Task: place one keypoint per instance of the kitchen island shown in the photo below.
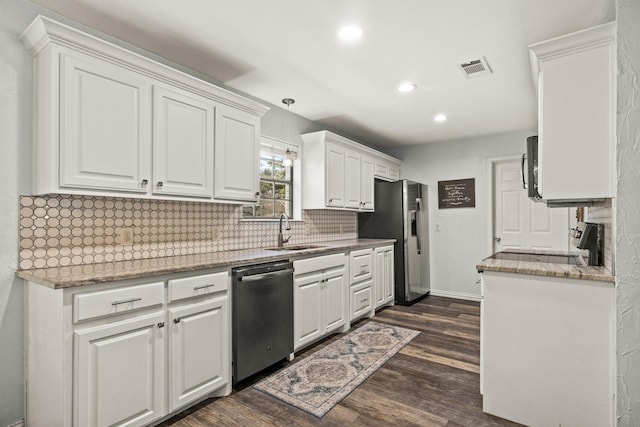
(547, 341)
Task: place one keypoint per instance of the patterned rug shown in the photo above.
(318, 382)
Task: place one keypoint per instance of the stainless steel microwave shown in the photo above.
(530, 169)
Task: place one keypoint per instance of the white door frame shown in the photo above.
(491, 166)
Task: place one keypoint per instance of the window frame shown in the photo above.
(277, 147)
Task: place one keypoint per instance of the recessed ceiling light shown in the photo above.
(350, 32)
(407, 87)
(440, 118)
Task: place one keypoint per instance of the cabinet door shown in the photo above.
(353, 180)
(389, 281)
(307, 323)
(366, 186)
(105, 126)
(237, 155)
(335, 306)
(198, 350)
(335, 182)
(380, 278)
(119, 373)
(182, 143)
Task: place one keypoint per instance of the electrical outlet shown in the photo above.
(215, 233)
(438, 227)
(125, 235)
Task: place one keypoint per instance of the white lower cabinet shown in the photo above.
(198, 358)
(320, 298)
(383, 275)
(120, 354)
(119, 372)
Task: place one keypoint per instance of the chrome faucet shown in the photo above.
(282, 240)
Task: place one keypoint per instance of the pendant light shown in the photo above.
(289, 155)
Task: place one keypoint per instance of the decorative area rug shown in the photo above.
(318, 382)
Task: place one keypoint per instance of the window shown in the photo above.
(276, 182)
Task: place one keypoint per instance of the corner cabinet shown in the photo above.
(338, 173)
(127, 353)
(576, 78)
(111, 122)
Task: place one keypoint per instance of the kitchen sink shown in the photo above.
(294, 248)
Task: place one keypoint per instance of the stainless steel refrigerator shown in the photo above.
(401, 213)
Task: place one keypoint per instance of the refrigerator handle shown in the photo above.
(417, 220)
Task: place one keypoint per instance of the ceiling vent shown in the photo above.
(475, 68)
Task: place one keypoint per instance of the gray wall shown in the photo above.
(627, 214)
(462, 241)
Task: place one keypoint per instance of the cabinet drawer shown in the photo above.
(88, 305)
(360, 299)
(360, 265)
(188, 287)
(318, 263)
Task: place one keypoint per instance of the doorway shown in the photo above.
(516, 222)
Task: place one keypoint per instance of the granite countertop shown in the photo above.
(90, 274)
(526, 266)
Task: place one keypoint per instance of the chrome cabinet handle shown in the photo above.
(253, 278)
(498, 239)
(330, 200)
(161, 325)
(177, 320)
(159, 184)
(203, 287)
(126, 301)
(145, 182)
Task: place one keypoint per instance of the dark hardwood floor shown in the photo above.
(433, 381)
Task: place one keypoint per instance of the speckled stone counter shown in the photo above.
(546, 268)
(90, 274)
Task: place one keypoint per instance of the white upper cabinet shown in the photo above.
(339, 173)
(334, 173)
(366, 187)
(105, 125)
(111, 122)
(576, 77)
(237, 155)
(182, 143)
(353, 180)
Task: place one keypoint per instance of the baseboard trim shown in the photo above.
(456, 295)
(18, 424)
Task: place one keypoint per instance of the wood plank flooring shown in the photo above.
(433, 381)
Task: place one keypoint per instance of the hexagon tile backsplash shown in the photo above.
(60, 230)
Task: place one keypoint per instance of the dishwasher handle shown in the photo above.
(254, 277)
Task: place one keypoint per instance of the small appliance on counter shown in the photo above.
(401, 213)
(589, 236)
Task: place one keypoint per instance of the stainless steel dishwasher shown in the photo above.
(262, 319)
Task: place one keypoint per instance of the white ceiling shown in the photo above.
(274, 49)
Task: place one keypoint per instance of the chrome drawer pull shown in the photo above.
(204, 286)
(126, 301)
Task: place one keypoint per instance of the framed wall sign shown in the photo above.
(458, 193)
